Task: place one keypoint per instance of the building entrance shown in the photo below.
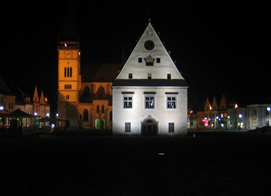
(149, 127)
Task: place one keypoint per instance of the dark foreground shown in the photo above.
(86, 164)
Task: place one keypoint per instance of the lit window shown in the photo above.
(171, 101)
(149, 101)
(127, 127)
(171, 127)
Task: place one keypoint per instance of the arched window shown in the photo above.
(85, 115)
(86, 92)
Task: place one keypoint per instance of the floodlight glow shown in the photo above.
(35, 113)
(229, 116)
(1, 107)
(268, 109)
(56, 114)
(47, 114)
(240, 115)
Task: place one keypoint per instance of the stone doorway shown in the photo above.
(149, 127)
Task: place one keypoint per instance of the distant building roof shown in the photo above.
(4, 89)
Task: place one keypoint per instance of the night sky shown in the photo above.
(219, 48)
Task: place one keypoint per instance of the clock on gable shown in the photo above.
(149, 45)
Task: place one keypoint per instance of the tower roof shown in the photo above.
(69, 29)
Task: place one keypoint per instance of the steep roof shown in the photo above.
(4, 89)
(149, 56)
(99, 72)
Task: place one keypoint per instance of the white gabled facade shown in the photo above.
(149, 94)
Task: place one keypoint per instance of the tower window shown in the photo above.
(149, 76)
(130, 76)
(68, 86)
(158, 60)
(168, 76)
(68, 72)
(139, 60)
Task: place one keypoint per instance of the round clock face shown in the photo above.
(149, 45)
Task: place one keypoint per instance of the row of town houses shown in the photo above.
(231, 113)
(12, 98)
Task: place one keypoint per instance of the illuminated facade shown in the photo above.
(149, 94)
(84, 90)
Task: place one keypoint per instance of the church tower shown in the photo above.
(69, 79)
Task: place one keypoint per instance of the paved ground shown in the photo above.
(217, 163)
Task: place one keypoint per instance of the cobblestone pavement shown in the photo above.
(85, 164)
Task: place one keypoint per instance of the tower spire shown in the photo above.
(69, 30)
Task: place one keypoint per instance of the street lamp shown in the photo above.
(240, 123)
(268, 109)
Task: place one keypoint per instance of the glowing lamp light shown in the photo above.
(47, 114)
(35, 113)
(229, 116)
(240, 115)
(268, 109)
(45, 99)
(236, 105)
(56, 114)
(1, 107)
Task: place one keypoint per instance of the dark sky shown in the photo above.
(219, 47)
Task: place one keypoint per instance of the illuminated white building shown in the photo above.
(149, 94)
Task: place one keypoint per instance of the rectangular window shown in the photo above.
(67, 97)
(149, 76)
(158, 60)
(68, 86)
(171, 101)
(168, 76)
(139, 60)
(149, 101)
(130, 76)
(171, 127)
(68, 72)
(127, 101)
(127, 127)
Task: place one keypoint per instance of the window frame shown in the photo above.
(127, 95)
(171, 95)
(149, 95)
(127, 128)
(171, 127)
